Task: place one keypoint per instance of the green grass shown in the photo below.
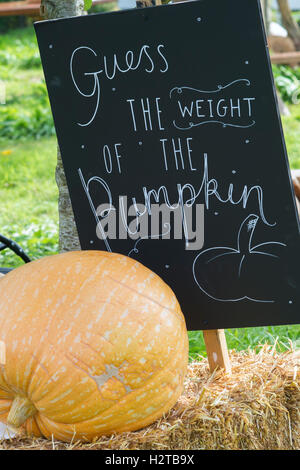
(28, 195)
(26, 112)
(240, 339)
(28, 192)
(28, 189)
(291, 128)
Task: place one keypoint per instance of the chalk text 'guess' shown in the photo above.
(145, 59)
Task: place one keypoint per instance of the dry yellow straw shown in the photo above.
(256, 407)
(2, 353)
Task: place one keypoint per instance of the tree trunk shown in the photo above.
(266, 14)
(147, 3)
(289, 23)
(68, 235)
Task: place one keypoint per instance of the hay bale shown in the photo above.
(256, 407)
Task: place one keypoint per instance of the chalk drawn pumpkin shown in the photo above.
(244, 272)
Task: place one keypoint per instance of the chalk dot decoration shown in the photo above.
(247, 62)
(199, 19)
(50, 46)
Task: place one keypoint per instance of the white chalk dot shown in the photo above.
(290, 301)
(199, 19)
(246, 62)
(140, 143)
(113, 89)
(247, 141)
(167, 266)
(82, 146)
(216, 213)
(91, 242)
(233, 172)
(50, 46)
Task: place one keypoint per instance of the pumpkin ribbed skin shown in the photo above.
(95, 342)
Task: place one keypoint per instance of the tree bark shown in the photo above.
(289, 23)
(51, 9)
(68, 235)
(147, 3)
(266, 14)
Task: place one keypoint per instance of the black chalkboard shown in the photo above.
(173, 109)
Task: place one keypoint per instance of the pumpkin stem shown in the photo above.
(246, 232)
(21, 409)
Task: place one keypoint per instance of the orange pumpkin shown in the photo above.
(95, 344)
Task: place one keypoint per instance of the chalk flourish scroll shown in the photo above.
(219, 88)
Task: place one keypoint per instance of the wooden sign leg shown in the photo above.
(2, 354)
(217, 352)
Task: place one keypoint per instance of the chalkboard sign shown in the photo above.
(173, 150)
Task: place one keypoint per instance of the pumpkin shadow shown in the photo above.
(245, 272)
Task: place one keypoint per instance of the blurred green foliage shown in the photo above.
(26, 112)
(287, 80)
